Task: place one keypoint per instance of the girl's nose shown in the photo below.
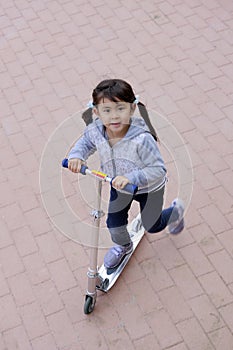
(114, 114)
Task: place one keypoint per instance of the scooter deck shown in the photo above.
(108, 277)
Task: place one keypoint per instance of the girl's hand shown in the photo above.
(75, 165)
(119, 182)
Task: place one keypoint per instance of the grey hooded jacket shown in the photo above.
(135, 156)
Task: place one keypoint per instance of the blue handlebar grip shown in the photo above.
(82, 170)
(131, 188)
(65, 163)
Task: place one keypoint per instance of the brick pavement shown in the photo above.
(177, 292)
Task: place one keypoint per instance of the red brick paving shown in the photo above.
(177, 292)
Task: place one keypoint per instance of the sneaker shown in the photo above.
(136, 224)
(178, 225)
(115, 255)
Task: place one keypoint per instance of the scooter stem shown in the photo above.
(93, 270)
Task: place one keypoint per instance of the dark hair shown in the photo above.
(115, 90)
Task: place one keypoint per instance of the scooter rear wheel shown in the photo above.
(89, 305)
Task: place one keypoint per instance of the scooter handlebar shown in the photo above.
(128, 188)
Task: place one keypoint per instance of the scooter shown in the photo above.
(102, 278)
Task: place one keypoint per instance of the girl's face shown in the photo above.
(115, 116)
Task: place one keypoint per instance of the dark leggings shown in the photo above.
(154, 218)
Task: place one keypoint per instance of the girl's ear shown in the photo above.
(133, 107)
(95, 110)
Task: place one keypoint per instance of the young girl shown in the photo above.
(128, 150)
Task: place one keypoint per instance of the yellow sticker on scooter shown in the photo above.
(99, 174)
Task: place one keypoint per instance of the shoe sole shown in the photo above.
(178, 228)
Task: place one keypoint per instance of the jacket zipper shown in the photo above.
(113, 162)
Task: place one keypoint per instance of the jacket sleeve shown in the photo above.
(153, 169)
(83, 148)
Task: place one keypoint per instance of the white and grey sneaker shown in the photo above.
(115, 255)
(177, 226)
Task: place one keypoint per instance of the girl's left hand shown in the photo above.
(119, 182)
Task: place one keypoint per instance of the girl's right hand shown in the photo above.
(75, 165)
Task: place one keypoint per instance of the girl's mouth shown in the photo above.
(115, 124)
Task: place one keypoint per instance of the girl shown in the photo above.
(127, 146)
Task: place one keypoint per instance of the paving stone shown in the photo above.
(37, 221)
(230, 218)
(196, 259)
(164, 329)
(196, 140)
(149, 342)
(121, 294)
(117, 336)
(24, 241)
(138, 326)
(49, 247)
(221, 338)
(186, 281)
(223, 264)
(193, 335)
(4, 289)
(226, 312)
(220, 98)
(15, 221)
(217, 291)
(48, 297)
(73, 299)
(223, 199)
(21, 289)
(44, 342)
(5, 238)
(219, 144)
(157, 274)
(34, 321)
(225, 239)
(26, 198)
(11, 263)
(175, 304)
(145, 296)
(145, 250)
(205, 238)
(224, 178)
(36, 268)
(129, 276)
(180, 346)
(61, 275)
(75, 254)
(206, 178)
(206, 313)
(215, 219)
(17, 339)
(10, 317)
(168, 253)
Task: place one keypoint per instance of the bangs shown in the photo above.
(107, 95)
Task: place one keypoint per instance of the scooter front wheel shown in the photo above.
(89, 304)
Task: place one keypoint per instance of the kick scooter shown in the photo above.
(102, 278)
